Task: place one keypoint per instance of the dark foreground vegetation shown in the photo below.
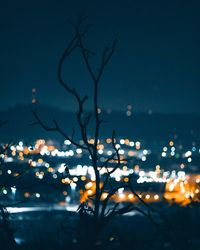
(179, 229)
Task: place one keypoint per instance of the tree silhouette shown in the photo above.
(93, 219)
(6, 232)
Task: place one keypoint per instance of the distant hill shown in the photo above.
(155, 127)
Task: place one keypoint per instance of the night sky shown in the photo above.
(155, 66)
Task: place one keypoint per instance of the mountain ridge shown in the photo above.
(154, 127)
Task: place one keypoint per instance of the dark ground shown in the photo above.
(57, 230)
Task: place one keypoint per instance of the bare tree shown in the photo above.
(96, 217)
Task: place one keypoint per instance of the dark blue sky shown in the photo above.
(156, 64)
